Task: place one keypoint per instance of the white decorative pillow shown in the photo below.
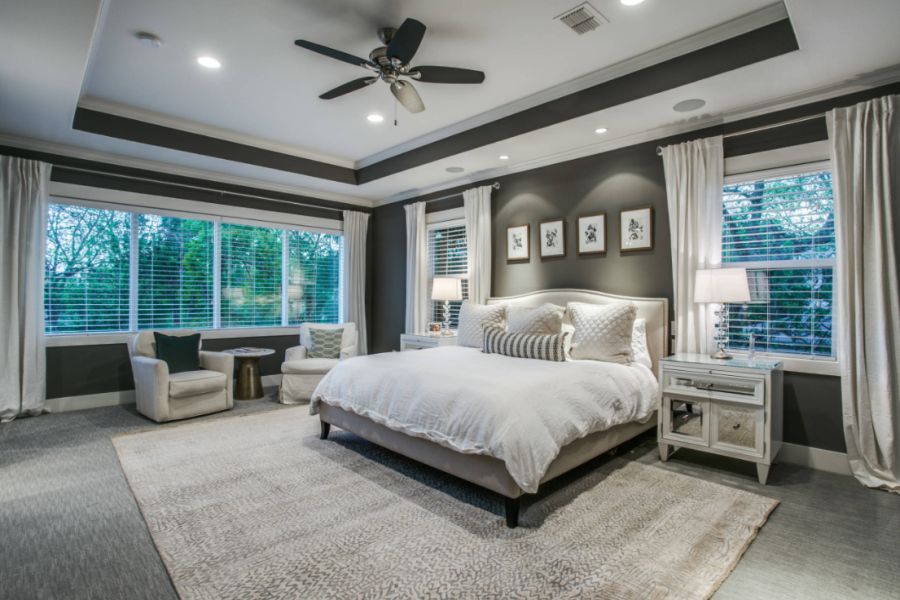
(543, 320)
(640, 352)
(602, 332)
(473, 318)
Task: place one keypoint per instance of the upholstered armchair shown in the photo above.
(300, 374)
(164, 396)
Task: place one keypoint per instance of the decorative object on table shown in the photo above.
(553, 238)
(249, 382)
(721, 286)
(731, 408)
(636, 229)
(434, 327)
(592, 234)
(446, 290)
(517, 243)
(325, 342)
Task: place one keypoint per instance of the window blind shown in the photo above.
(447, 256)
(86, 270)
(175, 272)
(782, 230)
(314, 271)
(251, 276)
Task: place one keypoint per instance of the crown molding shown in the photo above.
(714, 35)
(869, 81)
(148, 116)
(160, 167)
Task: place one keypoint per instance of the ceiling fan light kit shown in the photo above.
(391, 64)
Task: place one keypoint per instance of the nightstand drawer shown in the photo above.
(685, 420)
(737, 428)
(714, 385)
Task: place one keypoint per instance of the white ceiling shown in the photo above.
(266, 92)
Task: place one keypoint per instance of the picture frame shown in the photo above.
(592, 234)
(552, 236)
(636, 229)
(518, 243)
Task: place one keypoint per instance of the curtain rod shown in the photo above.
(762, 128)
(495, 185)
(206, 189)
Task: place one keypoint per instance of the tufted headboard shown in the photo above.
(654, 310)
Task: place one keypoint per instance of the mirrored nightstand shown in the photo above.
(421, 341)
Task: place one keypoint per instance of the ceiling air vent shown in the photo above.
(583, 18)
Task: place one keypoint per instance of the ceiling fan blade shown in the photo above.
(350, 86)
(336, 54)
(446, 75)
(406, 41)
(408, 96)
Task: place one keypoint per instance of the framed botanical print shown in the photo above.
(553, 238)
(517, 243)
(636, 229)
(592, 234)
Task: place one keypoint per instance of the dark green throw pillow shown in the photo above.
(181, 353)
(325, 343)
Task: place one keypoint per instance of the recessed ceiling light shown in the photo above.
(504, 157)
(375, 118)
(209, 62)
(600, 130)
(454, 169)
(631, 2)
(689, 105)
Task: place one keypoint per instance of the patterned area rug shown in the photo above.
(259, 507)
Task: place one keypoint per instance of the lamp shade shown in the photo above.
(446, 288)
(721, 286)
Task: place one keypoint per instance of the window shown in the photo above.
(116, 271)
(781, 229)
(447, 256)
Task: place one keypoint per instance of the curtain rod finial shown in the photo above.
(496, 185)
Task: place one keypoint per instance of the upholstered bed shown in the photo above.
(506, 424)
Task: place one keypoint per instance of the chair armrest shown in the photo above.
(351, 349)
(295, 353)
(151, 387)
(221, 362)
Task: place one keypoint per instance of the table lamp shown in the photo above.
(721, 286)
(446, 289)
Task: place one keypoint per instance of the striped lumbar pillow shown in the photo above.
(542, 347)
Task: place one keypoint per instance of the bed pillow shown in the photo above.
(602, 332)
(473, 318)
(640, 351)
(541, 347)
(542, 320)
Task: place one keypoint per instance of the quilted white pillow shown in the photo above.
(472, 320)
(602, 332)
(640, 352)
(543, 320)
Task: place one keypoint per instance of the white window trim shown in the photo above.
(790, 363)
(443, 217)
(136, 203)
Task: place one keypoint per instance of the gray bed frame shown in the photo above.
(490, 472)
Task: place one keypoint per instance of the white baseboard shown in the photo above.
(70, 403)
(814, 458)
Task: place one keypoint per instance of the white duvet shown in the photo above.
(521, 411)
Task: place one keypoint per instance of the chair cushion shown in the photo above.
(325, 343)
(309, 366)
(181, 352)
(195, 383)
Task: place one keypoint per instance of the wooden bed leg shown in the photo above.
(512, 512)
(326, 429)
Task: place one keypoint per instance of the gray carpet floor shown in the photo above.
(70, 528)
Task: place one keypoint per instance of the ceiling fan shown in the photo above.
(390, 63)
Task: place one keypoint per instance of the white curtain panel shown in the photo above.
(356, 226)
(23, 225)
(694, 178)
(477, 207)
(416, 268)
(865, 149)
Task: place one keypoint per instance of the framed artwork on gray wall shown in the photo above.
(553, 238)
(636, 229)
(517, 243)
(592, 234)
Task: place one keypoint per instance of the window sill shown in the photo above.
(792, 364)
(125, 337)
